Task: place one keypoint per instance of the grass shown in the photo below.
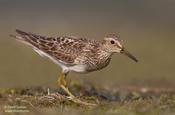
(123, 101)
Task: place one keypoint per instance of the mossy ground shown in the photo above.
(128, 100)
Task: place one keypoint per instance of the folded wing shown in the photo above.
(63, 49)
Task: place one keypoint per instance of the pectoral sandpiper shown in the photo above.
(74, 54)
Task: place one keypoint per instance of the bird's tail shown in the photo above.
(21, 37)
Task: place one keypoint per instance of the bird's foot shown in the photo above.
(78, 101)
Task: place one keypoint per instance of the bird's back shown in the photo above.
(63, 49)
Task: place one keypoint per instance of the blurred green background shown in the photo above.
(147, 28)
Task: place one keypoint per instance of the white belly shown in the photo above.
(78, 68)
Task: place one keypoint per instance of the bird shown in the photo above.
(74, 54)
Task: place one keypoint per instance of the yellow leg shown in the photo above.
(62, 83)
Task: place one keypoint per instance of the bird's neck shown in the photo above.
(105, 55)
(103, 59)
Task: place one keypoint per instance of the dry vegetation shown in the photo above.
(128, 100)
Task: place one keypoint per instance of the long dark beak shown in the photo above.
(125, 52)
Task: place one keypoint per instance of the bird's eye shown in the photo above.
(112, 42)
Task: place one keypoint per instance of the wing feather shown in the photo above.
(65, 49)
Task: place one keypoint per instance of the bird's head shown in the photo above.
(112, 44)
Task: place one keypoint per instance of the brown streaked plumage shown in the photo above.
(74, 54)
